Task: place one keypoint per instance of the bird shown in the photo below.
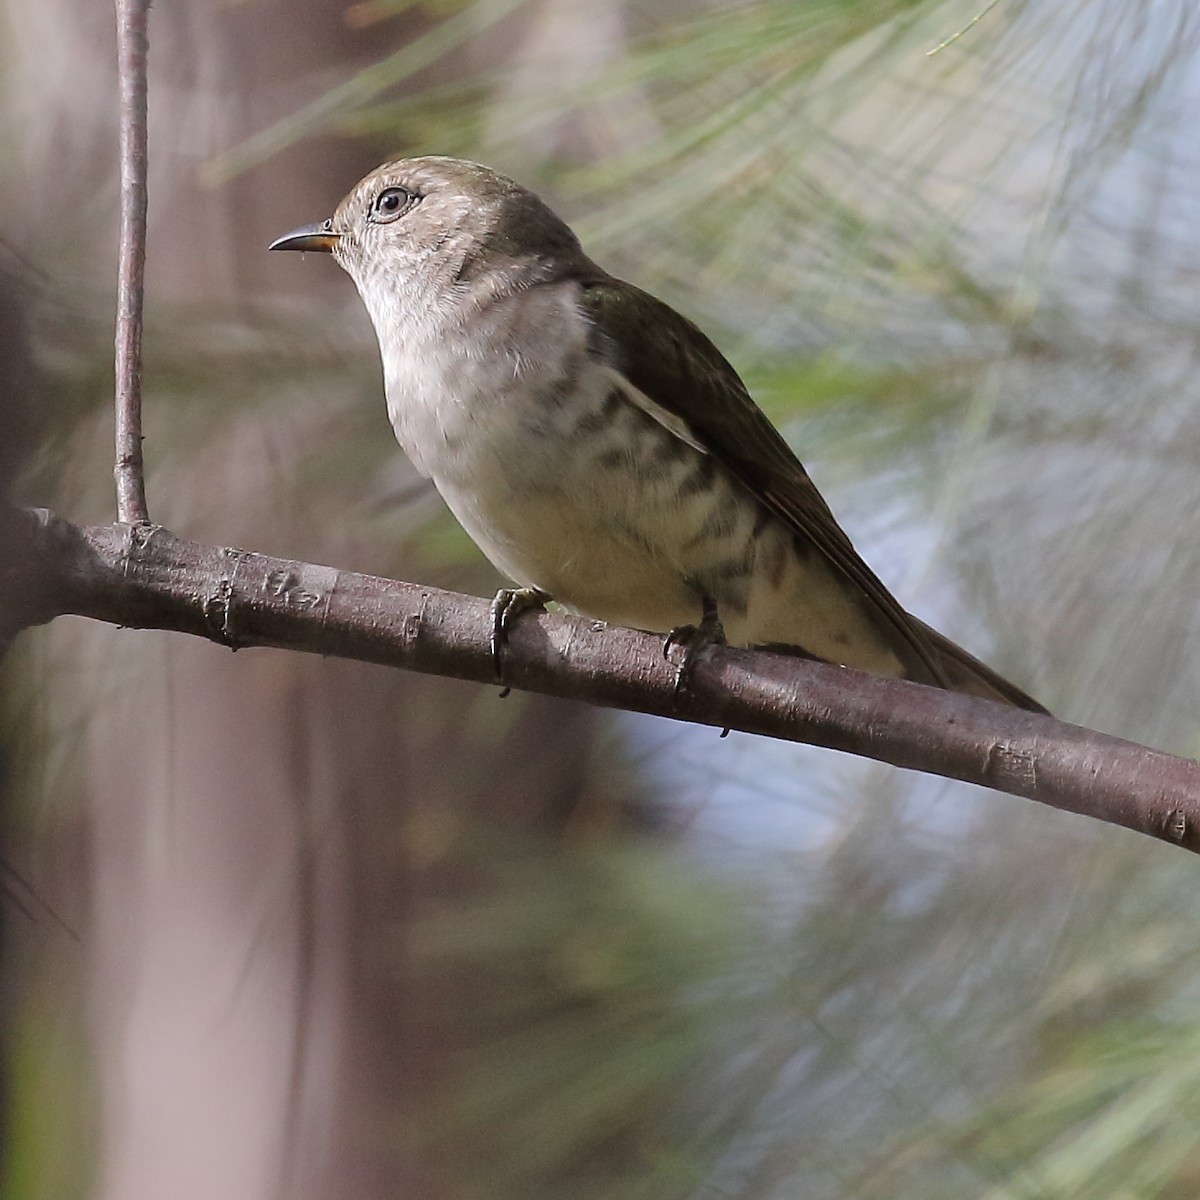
(596, 445)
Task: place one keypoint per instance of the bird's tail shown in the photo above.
(965, 673)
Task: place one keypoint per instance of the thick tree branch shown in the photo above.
(144, 576)
(131, 59)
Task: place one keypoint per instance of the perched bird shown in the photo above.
(595, 444)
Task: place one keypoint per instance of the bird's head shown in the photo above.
(422, 234)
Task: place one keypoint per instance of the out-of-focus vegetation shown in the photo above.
(332, 930)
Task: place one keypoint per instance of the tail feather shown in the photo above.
(965, 673)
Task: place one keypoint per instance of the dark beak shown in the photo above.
(307, 237)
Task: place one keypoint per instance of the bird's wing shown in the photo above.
(677, 368)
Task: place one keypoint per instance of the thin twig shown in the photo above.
(983, 12)
(129, 472)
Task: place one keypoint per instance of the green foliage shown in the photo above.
(964, 287)
(602, 996)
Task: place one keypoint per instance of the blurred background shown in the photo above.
(285, 927)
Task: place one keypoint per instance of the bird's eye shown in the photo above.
(391, 203)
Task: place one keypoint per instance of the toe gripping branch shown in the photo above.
(693, 639)
(507, 606)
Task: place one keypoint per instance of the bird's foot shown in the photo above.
(508, 605)
(692, 639)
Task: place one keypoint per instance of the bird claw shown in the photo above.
(507, 606)
(693, 639)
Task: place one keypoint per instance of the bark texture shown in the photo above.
(146, 577)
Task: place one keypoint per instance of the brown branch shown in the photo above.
(144, 576)
(131, 60)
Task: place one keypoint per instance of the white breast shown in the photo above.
(457, 396)
(591, 502)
